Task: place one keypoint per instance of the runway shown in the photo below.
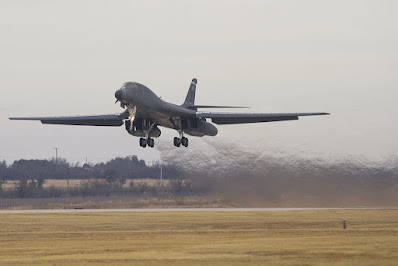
(193, 210)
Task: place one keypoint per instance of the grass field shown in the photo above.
(274, 237)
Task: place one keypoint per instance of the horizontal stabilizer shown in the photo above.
(194, 107)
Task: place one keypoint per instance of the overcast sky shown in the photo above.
(69, 57)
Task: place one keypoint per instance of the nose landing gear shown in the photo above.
(149, 141)
(143, 142)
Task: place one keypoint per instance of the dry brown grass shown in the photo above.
(63, 183)
(277, 237)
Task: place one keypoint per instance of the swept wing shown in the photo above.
(243, 118)
(111, 120)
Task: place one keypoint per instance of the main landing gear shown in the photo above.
(148, 141)
(181, 141)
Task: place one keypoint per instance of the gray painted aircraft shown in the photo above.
(145, 112)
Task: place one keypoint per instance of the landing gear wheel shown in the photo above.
(177, 142)
(143, 142)
(184, 142)
(151, 142)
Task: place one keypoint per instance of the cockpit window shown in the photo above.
(128, 84)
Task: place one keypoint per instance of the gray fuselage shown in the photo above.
(150, 107)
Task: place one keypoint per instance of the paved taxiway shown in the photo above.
(192, 210)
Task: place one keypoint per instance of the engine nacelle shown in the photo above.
(198, 127)
(138, 127)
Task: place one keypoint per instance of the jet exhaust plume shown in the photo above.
(255, 178)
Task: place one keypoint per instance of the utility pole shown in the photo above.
(56, 154)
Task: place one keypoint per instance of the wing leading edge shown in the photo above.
(244, 118)
(93, 120)
(115, 120)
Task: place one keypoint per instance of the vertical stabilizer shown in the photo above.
(190, 99)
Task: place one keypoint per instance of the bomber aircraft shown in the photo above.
(145, 112)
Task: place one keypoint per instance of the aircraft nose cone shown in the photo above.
(119, 94)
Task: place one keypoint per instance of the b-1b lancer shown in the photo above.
(145, 112)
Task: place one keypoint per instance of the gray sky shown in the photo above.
(69, 57)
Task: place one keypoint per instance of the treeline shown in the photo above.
(25, 188)
(119, 168)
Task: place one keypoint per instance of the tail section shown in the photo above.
(189, 102)
(190, 99)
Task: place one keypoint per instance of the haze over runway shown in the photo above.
(69, 57)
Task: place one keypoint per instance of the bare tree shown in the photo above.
(3, 173)
(22, 188)
(112, 178)
(176, 185)
(40, 182)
